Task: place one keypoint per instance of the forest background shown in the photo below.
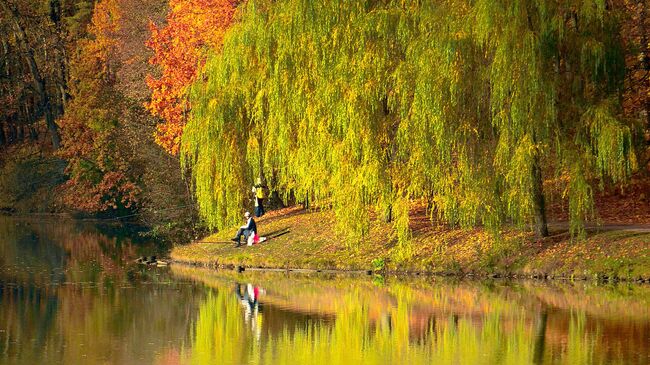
(96, 97)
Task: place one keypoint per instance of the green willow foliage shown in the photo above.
(372, 104)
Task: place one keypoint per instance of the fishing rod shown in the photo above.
(274, 234)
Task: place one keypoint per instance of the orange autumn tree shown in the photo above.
(101, 176)
(179, 50)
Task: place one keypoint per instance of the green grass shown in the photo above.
(617, 254)
(312, 242)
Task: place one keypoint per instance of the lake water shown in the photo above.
(71, 294)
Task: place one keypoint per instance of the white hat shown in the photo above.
(247, 214)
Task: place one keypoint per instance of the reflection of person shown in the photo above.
(249, 297)
(250, 301)
(259, 195)
(246, 230)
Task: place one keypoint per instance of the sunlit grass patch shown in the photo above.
(312, 242)
(613, 254)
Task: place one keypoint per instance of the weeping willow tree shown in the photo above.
(370, 105)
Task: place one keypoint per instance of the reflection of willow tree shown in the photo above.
(221, 337)
(628, 302)
(580, 346)
(220, 333)
(540, 337)
(419, 322)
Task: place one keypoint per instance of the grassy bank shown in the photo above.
(312, 242)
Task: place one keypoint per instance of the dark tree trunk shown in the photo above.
(20, 135)
(63, 98)
(29, 117)
(645, 58)
(39, 81)
(55, 11)
(388, 214)
(541, 226)
(5, 66)
(5, 72)
(3, 139)
(33, 133)
(274, 199)
(62, 82)
(11, 136)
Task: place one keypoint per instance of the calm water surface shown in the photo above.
(70, 294)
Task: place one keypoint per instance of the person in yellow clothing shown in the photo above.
(259, 192)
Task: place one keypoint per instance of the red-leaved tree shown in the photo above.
(193, 26)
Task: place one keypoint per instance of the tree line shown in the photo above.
(91, 59)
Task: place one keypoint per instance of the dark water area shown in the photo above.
(71, 293)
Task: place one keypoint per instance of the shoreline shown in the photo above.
(407, 274)
(610, 253)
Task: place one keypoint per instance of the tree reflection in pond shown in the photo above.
(69, 296)
(350, 321)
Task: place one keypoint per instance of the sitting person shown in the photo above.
(247, 229)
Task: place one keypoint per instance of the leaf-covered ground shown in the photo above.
(313, 242)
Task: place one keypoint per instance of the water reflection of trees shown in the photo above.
(86, 325)
(348, 320)
(27, 314)
(65, 298)
(39, 251)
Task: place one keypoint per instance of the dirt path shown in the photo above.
(644, 228)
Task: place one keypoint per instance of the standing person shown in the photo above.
(259, 195)
(246, 230)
